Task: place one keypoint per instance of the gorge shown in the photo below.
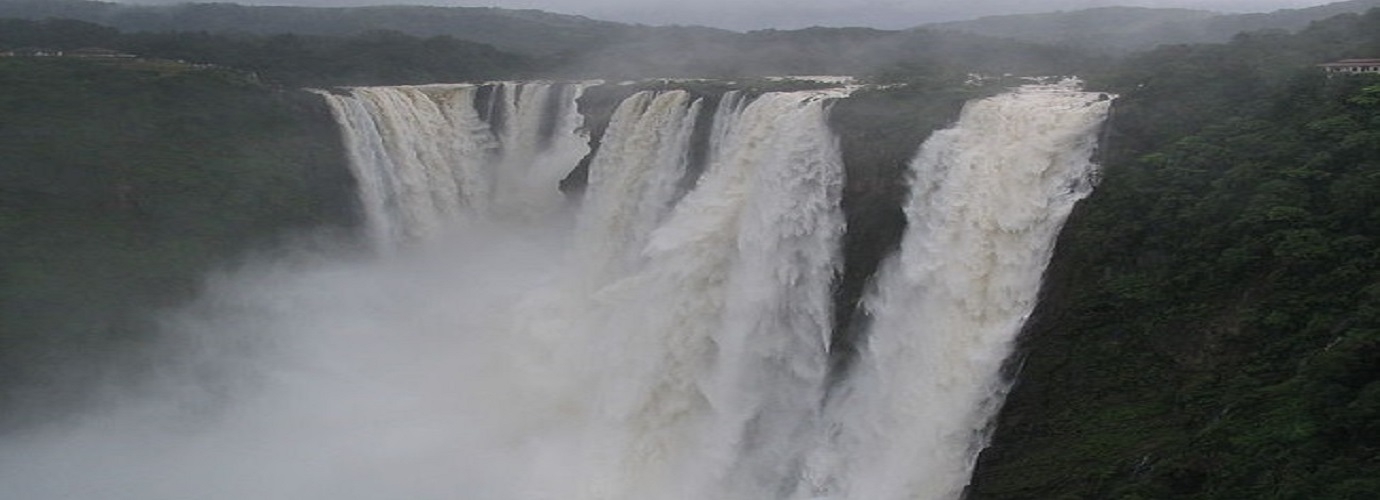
(662, 331)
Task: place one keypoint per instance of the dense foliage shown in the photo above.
(121, 185)
(1212, 321)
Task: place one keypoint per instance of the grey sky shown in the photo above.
(756, 14)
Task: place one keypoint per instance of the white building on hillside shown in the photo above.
(1352, 66)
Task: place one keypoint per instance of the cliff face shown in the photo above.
(879, 133)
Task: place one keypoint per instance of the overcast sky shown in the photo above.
(757, 14)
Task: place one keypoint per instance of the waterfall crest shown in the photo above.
(428, 158)
(633, 179)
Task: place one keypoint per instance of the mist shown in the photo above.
(325, 376)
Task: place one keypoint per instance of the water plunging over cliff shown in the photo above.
(664, 335)
(718, 302)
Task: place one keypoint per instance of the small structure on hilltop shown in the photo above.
(99, 53)
(35, 52)
(1352, 66)
(83, 53)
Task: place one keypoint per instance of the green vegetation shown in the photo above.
(122, 185)
(1211, 327)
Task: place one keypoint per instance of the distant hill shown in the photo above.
(1287, 19)
(1124, 29)
(526, 31)
(842, 51)
(565, 46)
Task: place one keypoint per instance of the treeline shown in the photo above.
(1211, 327)
(371, 58)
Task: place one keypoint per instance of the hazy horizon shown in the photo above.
(790, 14)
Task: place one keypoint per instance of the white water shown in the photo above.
(426, 162)
(633, 179)
(732, 298)
(988, 198)
(659, 344)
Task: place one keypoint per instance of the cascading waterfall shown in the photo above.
(715, 310)
(665, 337)
(731, 304)
(988, 198)
(539, 141)
(426, 159)
(633, 178)
(685, 304)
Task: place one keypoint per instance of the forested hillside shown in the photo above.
(1211, 327)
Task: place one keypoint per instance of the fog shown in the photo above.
(322, 376)
(786, 14)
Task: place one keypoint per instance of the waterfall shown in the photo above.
(988, 198)
(664, 336)
(428, 158)
(633, 179)
(718, 338)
